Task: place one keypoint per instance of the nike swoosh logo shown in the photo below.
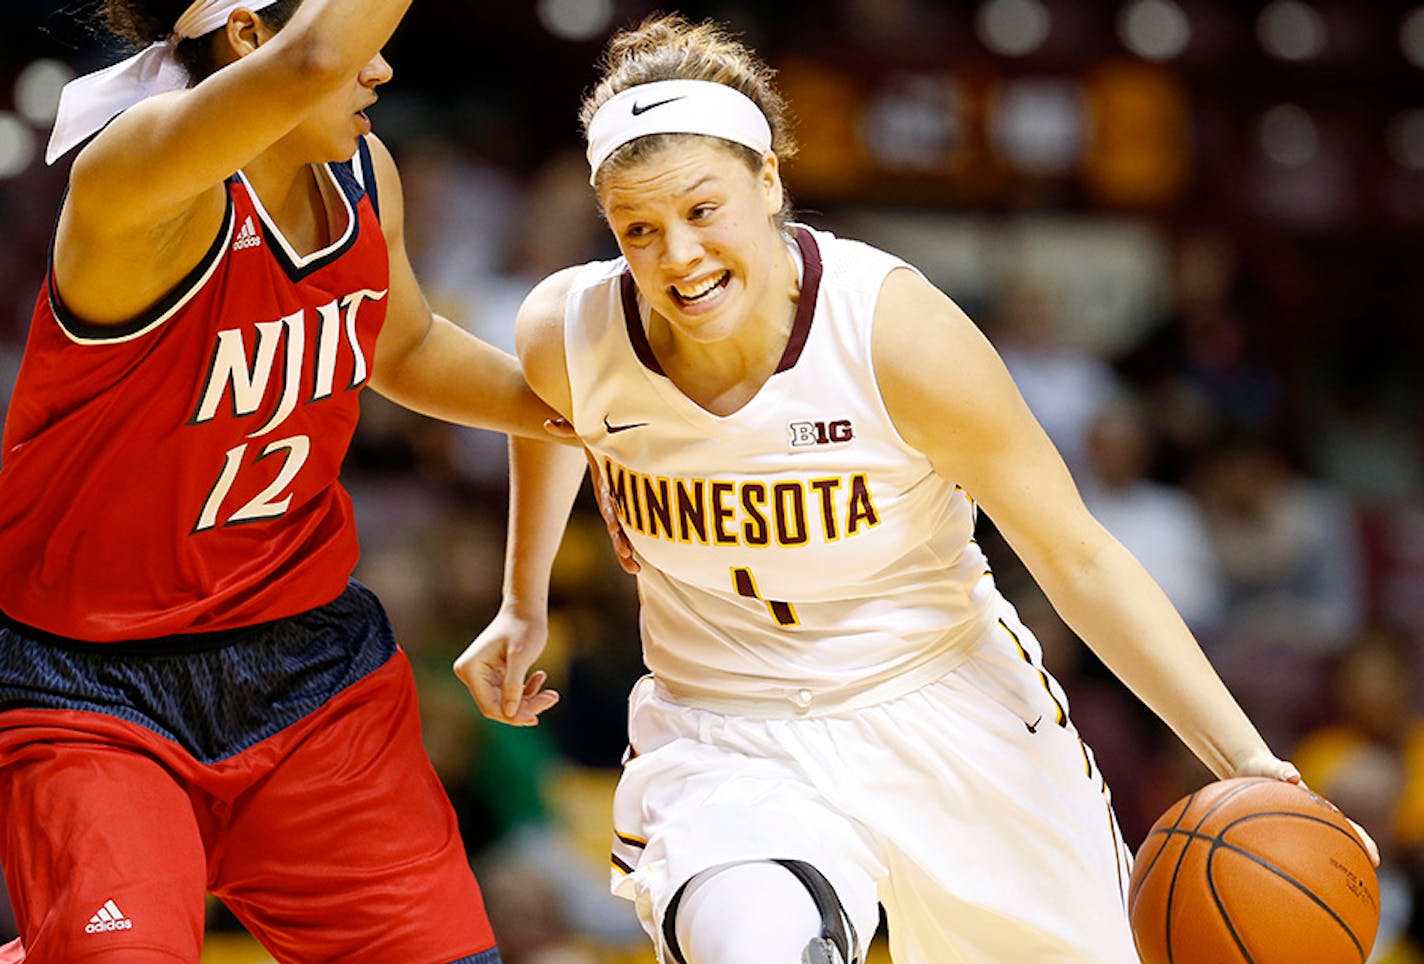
(1034, 727)
(615, 429)
(639, 109)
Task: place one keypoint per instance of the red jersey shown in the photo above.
(179, 473)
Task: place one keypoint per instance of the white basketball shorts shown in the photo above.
(969, 808)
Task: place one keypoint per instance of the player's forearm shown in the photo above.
(1134, 629)
(339, 37)
(452, 375)
(544, 478)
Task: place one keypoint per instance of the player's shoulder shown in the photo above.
(541, 315)
(550, 296)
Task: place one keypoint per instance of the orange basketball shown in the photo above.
(1253, 871)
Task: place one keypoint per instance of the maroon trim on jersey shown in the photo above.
(806, 310)
(634, 320)
(800, 327)
(190, 283)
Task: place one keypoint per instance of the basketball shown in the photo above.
(1253, 871)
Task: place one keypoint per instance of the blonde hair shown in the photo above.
(669, 47)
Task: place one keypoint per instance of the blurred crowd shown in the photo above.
(1246, 419)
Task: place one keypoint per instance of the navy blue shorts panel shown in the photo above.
(490, 956)
(213, 694)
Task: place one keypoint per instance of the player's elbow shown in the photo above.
(317, 63)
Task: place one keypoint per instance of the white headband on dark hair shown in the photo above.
(91, 101)
(675, 107)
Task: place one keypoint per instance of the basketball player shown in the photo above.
(193, 694)
(798, 431)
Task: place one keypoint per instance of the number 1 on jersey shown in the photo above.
(784, 613)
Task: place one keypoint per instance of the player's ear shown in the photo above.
(769, 179)
(245, 32)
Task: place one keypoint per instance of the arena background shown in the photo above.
(1194, 230)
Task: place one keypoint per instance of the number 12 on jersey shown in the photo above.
(265, 505)
(745, 585)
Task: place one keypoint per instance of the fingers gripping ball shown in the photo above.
(1253, 871)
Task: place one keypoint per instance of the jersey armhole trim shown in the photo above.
(82, 333)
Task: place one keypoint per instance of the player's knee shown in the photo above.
(822, 951)
(778, 912)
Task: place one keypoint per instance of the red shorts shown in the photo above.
(331, 840)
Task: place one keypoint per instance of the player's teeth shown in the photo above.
(700, 290)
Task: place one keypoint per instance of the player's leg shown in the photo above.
(348, 850)
(706, 791)
(100, 846)
(772, 911)
(993, 820)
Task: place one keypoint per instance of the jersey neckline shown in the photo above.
(800, 326)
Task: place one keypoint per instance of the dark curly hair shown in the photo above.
(143, 22)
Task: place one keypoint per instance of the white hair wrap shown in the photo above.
(91, 101)
(675, 107)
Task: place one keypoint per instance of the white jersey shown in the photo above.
(798, 556)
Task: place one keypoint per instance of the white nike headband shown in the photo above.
(675, 107)
(91, 101)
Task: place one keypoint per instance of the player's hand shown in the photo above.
(622, 548)
(558, 429)
(494, 667)
(1267, 765)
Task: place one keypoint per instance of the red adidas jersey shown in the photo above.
(180, 473)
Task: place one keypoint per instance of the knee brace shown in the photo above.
(838, 943)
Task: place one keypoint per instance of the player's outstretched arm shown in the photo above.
(428, 363)
(544, 478)
(147, 194)
(155, 158)
(976, 429)
(496, 668)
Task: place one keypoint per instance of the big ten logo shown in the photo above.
(820, 433)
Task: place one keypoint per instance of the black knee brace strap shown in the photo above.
(836, 925)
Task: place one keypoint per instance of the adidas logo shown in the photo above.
(247, 236)
(109, 918)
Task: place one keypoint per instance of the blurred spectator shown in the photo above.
(1158, 524)
(1288, 546)
(499, 777)
(1063, 385)
(480, 241)
(1202, 369)
(1367, 784)
(1365, 436)
(595, 625)
(533, 926)
(1368, 758)
(1373, 702)
(1393, 539)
